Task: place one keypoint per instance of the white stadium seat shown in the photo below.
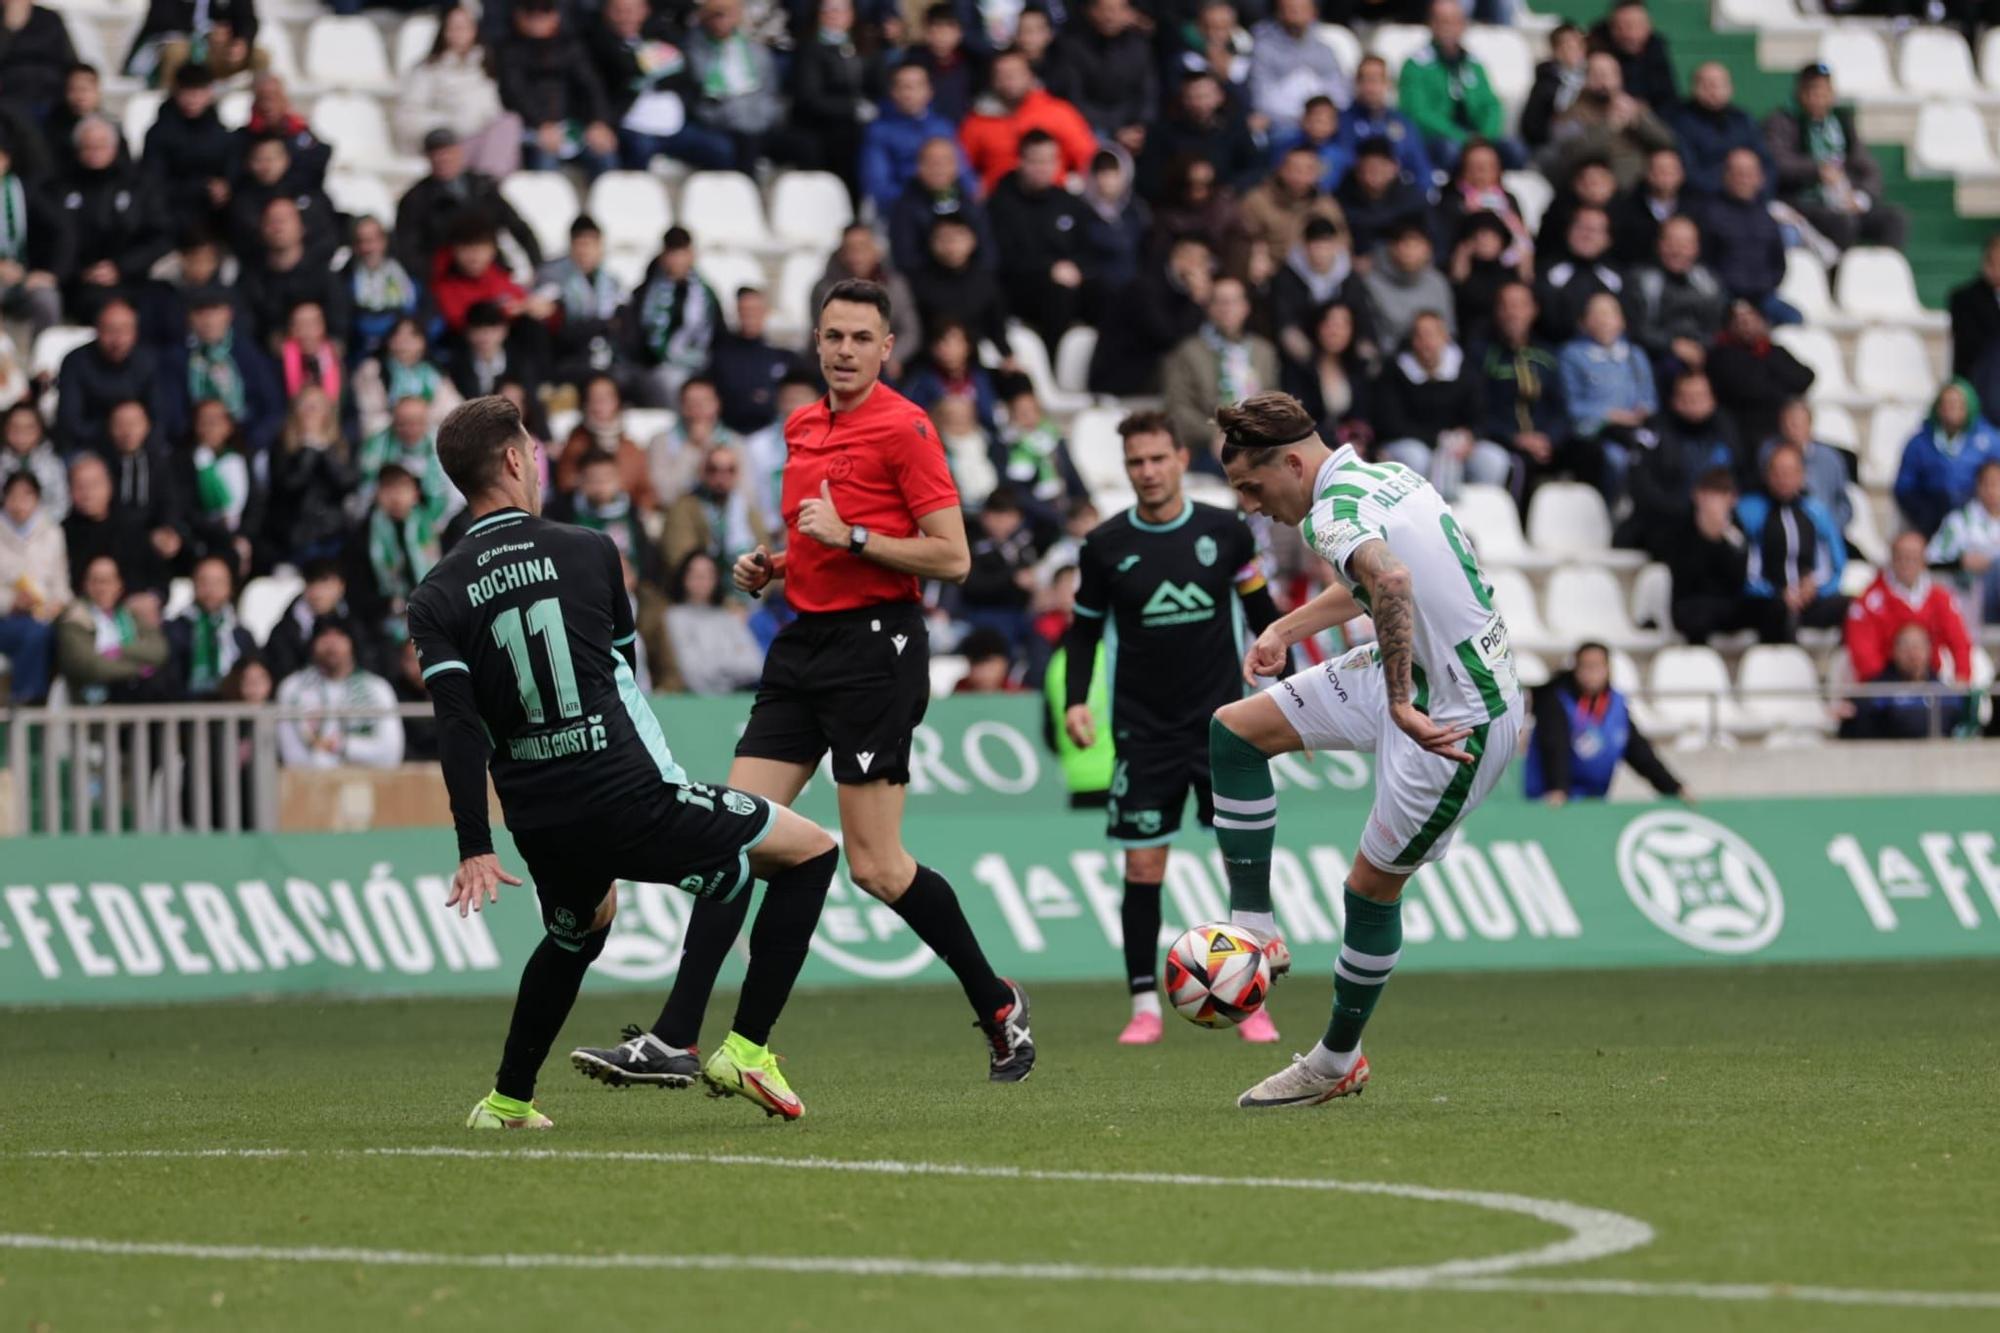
(1888, 432)
(1989, 58)
(54, 343)
(947, 669)
(1096, 449)
(1806, 289)
(1653, 597)
(1627, 680)
(359, 195)
(1031, 354)
(630, 267)
(1860, 63)
(1507, 57)
(1864, 534)
(1514, 598)
(1951, 140)
(633, 209)
(1856, 577)
(1757, 15)
(1690, 694)
(1834, 425)
(1892, 364)
(1585, 602)
(546, 201)
(347, 53)
(264, 600)
(1780, 686)
(791, 306)
(276, 44)
(233, 108)
(726, 272)
(1532, 191)
(1493, 521)
(722, 208)
(1817, 349)
(1073, 355)
(141, 110)
(1397, 42)
(354, 125)
(180, 596)
(809, 209)
(643, 425)
(1567, 518)
(1939, 61)
(1342, 41)
(1875, 285)
(415, 37)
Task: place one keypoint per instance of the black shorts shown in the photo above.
(1149, 789)
(853, 682)
(693, 836)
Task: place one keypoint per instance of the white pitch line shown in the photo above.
(1594, 1233)
(951, 1269)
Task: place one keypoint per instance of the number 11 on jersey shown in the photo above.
(543, 618)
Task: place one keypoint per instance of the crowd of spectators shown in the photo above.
(1204, 185)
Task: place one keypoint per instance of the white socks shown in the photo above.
(1264, 923)
(1327, 1064)
(1146, 1002)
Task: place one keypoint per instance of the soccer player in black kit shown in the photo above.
(526, 637)
(1165, 576)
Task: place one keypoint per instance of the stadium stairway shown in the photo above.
(1943, 247)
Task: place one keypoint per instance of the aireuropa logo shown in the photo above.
(1700, 882)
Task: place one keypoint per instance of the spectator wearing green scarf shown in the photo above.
(391, 552)
(207, 640)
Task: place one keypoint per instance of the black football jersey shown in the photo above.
(1167, 592)
(536, 613)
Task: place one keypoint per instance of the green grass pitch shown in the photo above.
(1803, 1126)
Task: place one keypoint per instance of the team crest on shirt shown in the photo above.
(1204, 550)
(840, 468)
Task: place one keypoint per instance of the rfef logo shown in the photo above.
(1700, 882)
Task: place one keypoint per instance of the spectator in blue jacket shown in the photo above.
(1942, 460)
(1742, 240)
(1796, 551)
(1710, 126)
(1607, 382)
(1373, 115)
(892, 142)
(1583, 731)
(1319, 130)
(1289, 64)
(1906, 717)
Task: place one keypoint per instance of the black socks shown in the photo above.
(1139, 918)
(931, 910)
(548, 991)
(779, 942)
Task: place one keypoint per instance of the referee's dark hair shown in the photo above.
(474, 438)
(1262, 424)
(1150, 423)
(859, 291)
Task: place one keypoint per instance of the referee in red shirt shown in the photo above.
(870, 511)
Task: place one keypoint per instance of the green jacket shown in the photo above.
(1085, 772)
(1428, 98)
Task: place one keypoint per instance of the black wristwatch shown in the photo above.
(857, 539)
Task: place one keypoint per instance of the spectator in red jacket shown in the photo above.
(1012, 106)
(467, 270)
(1905, 594)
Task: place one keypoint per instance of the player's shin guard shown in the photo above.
(712, 927)
(548, 990)
(779, 941)
(1369, 948)
(1139, 919)
(930, 909)
(1246, 817)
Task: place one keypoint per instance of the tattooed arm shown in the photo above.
(1393, 603)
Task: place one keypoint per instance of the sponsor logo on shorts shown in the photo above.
(737, 803)
(1146, 822)
(1298, 700)
(1700, 882)
(900, 640)
(1333, 682)
(864, 758)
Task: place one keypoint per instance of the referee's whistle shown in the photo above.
(763, 563)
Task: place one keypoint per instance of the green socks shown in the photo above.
(1369, 948)
(1246, 816)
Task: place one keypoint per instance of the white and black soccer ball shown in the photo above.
(1217, 975)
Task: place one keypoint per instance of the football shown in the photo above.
(1217, 976)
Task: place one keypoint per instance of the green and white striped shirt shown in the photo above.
(1970, 528)
(1462, 667)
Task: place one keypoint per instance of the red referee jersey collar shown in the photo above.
(878, 396)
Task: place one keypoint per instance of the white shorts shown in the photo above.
(1420, 798)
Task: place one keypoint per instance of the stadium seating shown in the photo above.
(1689, 691)
(1653, 597)
(1875, 285)
(791, 305)
(1493, 521)
(1952, 140)
(1891, 364)
(1073, 356)
(546, 201)
(1888, 431)
(348, 54)
(1780, 687)
(415, 36)
(359, 195)
(1514, 598)
(1568, 519)
(1805, 287)
(1938, 61)
(1585, 602)
(809, 210)
(633, 210)
(722, 209)
(264, 601)
(1816, 349)
(726, 273)
(353, 123)
(1096, 449)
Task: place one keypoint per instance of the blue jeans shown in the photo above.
(27, 642)
(1778, 312)
(696, 145)
(534, 157)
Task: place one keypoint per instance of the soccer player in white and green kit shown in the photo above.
(1435, 698)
